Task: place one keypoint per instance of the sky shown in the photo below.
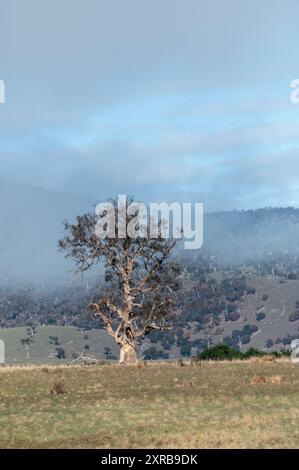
(162, 99)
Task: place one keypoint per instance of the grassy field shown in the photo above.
(215, 405)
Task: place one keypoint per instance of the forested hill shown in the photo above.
(241, 288)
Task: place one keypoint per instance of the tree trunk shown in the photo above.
(128, 354)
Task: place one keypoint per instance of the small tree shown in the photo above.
(60, 353)
(107, 352)
(141, 277)
(26, 342)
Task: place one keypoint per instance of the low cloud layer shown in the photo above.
(163, 100)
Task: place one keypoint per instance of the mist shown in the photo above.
(33, 223)
(166, 102)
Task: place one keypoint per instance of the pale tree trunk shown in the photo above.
(128, 353)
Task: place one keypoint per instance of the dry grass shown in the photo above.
(258, 379)
(57, 388)
(216, 405)
(268, 358)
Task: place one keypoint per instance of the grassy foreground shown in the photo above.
(215, 405)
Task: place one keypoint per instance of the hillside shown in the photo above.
(47, 341)
(262, 321)
(270, 307)
(241, 288)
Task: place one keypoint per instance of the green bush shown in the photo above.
(223, 352)
(220, 351)
(252, 352)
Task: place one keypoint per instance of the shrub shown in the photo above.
(249, 330)
(294, 316)
(233, 316)
(107, 351)
(260, 316)
(219, 351)
(245, 339)
(292, 276)
(57, 388)
(286, 341)
(252, 352)
(60, 353)
(236, 334)
(224, 352)
(251, 291)
(269, 343)
(265, 297)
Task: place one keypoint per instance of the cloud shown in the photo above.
(158, 99)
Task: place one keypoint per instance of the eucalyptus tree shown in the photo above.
(142, 278)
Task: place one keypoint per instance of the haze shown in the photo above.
(164, 100)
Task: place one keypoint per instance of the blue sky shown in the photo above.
(173, 100)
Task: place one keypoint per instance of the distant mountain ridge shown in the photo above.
(32, 222)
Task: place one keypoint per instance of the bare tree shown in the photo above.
(142, 280)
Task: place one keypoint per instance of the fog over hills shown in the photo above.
(245, 284)
(32, 222)
(238, 236)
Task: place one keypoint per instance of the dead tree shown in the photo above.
(142, 280)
